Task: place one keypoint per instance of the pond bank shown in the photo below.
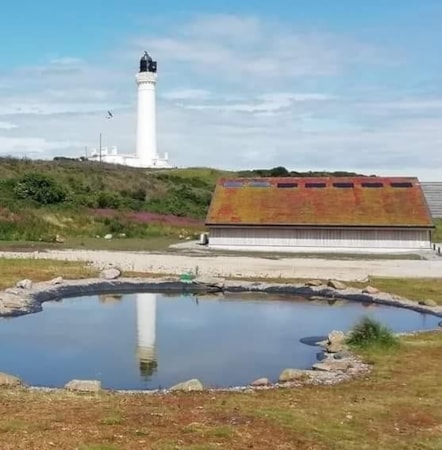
(27, 297)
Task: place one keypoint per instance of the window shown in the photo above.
(233, 184)
(343, 185)
(259, 184)
(372, 184)
(287, 185)
(315, 185)
(401, 184)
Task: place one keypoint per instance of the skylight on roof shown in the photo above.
(259, 184)
(315, 185)
(372, 184)
(287, 185)
(401, 184)
(343, 185)
(233, 184)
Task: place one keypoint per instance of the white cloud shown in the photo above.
(7, 126)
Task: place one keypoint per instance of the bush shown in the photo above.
(39, 188)
(369, 332)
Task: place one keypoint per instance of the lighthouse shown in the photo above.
(146, 154)
(146, 111)
(146, 333)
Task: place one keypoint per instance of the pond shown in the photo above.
(147, 341)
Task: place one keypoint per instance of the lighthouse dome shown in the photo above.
(147, 64)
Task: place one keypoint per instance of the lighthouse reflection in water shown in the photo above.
(146, 329)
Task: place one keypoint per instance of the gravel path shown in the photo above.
(243, 266)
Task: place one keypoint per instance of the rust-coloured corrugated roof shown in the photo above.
(328, 201)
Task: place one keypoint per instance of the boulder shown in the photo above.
(314, 283)
(57, 280)
(370, 290)
(9, 380)
(83, 385)
(108, 237)
(331, 365)
(59, 239)
(110, 274)
(336, 337)
(428, 302)
(335, 284)
(260, 382)
(187, 386)
(292, 374)
(24, 284)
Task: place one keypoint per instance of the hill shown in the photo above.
(53, 200)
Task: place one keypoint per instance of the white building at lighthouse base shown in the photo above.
(111, 156)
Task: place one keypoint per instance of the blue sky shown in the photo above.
(305, 84)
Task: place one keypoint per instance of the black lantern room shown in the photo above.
(147, 64)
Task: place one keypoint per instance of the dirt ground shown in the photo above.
(243, 266)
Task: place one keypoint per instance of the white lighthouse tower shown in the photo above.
(146, 155)
(146, 332)
(146, 115)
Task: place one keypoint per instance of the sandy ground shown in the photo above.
(243, 266)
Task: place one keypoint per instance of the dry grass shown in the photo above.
(396, 407)
(412, 288)
(13, 270)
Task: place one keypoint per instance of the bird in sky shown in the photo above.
(109, 115)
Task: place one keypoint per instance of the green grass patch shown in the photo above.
(371, 333)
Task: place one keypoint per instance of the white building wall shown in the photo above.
(313, 239)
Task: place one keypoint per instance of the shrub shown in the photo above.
(369, 332)
(39, 188)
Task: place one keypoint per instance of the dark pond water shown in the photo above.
(141, 341)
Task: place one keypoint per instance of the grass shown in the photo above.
(13, 270)
(412, 288)
(160, 243)
(396, 407)
(369, 333)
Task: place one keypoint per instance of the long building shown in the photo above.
(367, 214)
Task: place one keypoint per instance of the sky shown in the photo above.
(305, 84)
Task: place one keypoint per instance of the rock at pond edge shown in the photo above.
(24, 284)
(9, 380)
(110, 274)
(260, 382)
(335, 284)
(83, 385)
(187, 386)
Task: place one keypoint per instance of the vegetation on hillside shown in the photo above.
(42, 199)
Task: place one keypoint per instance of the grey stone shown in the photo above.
(292, 374)
(342, 355)
(370, 290)
(331, 365)
(335, 284)
(24, 284)
(13, 291)
(108, 237)
(314, 283)
(9, 380)
(110, 274)
(336, 337)
(12, 301)
(187, 386)
(83, 385)
(57, 280)
(428, 302)
(260, 382)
